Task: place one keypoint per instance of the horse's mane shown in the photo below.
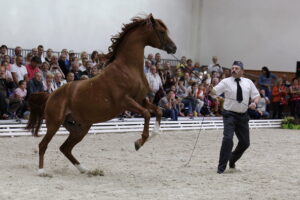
(117, 39)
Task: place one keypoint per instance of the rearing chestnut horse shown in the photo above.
(121, 86)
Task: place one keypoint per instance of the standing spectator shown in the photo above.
(262, 105)
(19, 71)
(265, 81)
(295, 98)
(169, 106)
(3, 52)
(182, 64)
(154, 81)
(8, 74)
(33, 67)
(215, 66)
(83, 56)
(40, 49)
(64, 63)
(35, 84)
(49, 55)
(278, 98)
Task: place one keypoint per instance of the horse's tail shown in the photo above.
(37, 102)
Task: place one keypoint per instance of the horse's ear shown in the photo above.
(151, 20)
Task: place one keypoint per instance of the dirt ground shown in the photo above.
(270, 168)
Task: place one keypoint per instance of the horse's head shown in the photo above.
(159, 36)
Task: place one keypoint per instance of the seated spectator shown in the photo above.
(84, 77)
(70, 77)
(75, 70)
(89, 66)
(19, 95)
(95, 71)
(48, 83)
(34, 52)
(262, 105)
(19, 71)
(169, 106)
(197, 67)
(94, 58)
(33, 67)
(147, 66)
(150, 57)
(295, 98)
(83, 57)
(215, 66)
(157, 58)
(182, 64)
(18, 52)
(54, 66)
(58, 81)
(6, 85)
(279, 93)
(35, 84)
(6, 59)
(45, 69)
(29, 56)
(8, 74)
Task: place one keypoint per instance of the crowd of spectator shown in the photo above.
(180, 90)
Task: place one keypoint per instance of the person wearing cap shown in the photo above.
(237, 91)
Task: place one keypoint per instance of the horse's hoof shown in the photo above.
(42, 173)
(137, 145)
(81, 169)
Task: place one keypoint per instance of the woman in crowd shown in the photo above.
(279, 93)
(295, 98)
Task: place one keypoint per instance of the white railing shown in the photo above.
(13, 128)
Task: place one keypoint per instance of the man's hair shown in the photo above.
(3, 46)
(40, 46)
(36, 59)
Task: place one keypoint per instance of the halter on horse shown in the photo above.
(121, 86)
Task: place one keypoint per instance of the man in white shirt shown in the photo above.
(154, 81)
(19, 71)
(237, 91)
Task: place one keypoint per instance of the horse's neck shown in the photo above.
(131, 51)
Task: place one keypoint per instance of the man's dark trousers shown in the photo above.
(233, 123)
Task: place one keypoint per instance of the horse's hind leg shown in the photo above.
(51, 130)
(77, 133)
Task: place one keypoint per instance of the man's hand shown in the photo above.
(252, 106)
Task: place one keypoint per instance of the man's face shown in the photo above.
(236, 71)
(215, 60)
(40, 50)
(19, 60)
(2, 72)
(38, 76)
(18, 51)
(153, 69)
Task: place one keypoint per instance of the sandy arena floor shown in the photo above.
(270, 168)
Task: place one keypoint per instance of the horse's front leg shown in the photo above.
(134, 106)
(158, 113)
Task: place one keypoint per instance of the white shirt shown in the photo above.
(228, 86)
(215, 68)
(154, 81)
(20, 71)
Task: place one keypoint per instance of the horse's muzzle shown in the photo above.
(171, 48)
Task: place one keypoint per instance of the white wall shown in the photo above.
(89, 25)
(257, 32)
